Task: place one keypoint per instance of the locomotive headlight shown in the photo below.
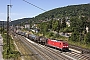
(65, 46)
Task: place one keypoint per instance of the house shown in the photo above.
(87, 29)
(27, 25)
(68, 23)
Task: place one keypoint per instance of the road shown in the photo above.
(1, 47)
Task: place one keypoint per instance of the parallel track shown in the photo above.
(46, 53)
(83, 50)
(71, 54)
(27, 53)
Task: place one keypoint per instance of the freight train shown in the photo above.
(59, 44)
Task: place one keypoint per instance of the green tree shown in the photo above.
(63, 25)
(58, 26)
(84, 23)
(74, 37)
(50, 24)
(44, 28)
(54, 25)
(87, 38)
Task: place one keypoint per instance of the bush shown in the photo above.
(9, 52)
(68, 29)
(51, 34)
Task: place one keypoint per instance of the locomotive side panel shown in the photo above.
(58, 44)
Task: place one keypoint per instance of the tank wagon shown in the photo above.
(59, 44)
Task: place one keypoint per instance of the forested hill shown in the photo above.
(20, 21)
(68, 11)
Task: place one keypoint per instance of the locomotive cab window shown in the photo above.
(63, 43)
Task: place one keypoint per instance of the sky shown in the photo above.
(21, 9)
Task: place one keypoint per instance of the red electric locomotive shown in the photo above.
(58, 44)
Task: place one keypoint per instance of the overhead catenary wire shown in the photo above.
(34, 5)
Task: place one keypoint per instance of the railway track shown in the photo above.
(52, 54)
(26, 54)
(45, 53)
(82, 50)
(72, 54)
(57, 54)
(41, 55)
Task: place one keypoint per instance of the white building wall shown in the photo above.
(27, 26)
(87, 29)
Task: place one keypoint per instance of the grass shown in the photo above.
(9, 53)
(80, 44)
(23, 49)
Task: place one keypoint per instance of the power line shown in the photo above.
(34, 5)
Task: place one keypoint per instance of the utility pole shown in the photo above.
(8, 40)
